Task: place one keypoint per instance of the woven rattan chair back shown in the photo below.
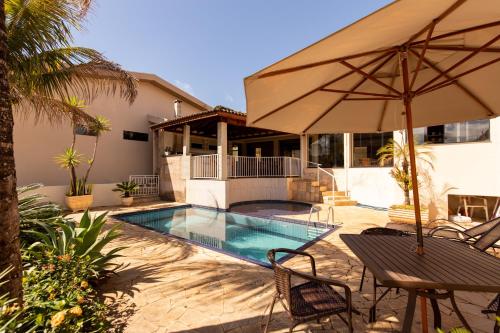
(282, 277)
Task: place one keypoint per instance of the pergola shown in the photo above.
(221, 123)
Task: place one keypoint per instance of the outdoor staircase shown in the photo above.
(311, 190)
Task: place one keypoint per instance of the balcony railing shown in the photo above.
(255, 167)
(205, 166)
(148, 185)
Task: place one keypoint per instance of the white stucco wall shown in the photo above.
(36, 144)
(103, 194)
(221, 194)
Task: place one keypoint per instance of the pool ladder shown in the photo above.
(316, 209)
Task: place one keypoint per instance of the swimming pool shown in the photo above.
(242, 236)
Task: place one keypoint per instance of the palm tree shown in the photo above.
(400, 154)
(40, 70)
(98, 127)
(10, 256)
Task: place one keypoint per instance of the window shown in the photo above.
(212, 147)
(469, 131)
(136, 136)
(82, 130)
(365, 147)
(197, 145)
(327, 150)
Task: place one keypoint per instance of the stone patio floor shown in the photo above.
(167, 285)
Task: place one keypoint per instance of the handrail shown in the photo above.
(319, 168)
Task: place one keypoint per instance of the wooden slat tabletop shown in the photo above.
(445, 265)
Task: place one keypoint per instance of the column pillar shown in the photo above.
(303, 154)
(222, 150)
(186, 152)
(347, 160)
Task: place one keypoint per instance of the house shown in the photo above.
(221, 161)
(126, 150)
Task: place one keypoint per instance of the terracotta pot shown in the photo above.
(127, 201)
(402, 215)
(79, 202)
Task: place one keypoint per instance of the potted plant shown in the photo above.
(126, 188)
(79, 195)
(400, 154)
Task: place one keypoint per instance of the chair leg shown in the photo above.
(373, 309)
(362, 278)
(270, 313)
(497, 321)
(459, 314)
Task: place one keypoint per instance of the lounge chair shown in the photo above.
(494, 307)
(462, 234)
(312, 300)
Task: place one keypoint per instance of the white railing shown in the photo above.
(320, 169)
(148, 185)
(205, 166)
(255, 167)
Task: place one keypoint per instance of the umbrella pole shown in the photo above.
(413, 169)
(411, 144)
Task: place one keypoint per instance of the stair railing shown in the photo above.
(320, 169)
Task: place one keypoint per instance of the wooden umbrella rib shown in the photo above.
(372, 99)
(422, 54)
(438, 19)
(459, 48)
(458, 63)
(456, 77)
(356, 86)
(370, 77)
(460, 86)
(386, 103)
(359, 93)
(371, 62)
(323, 62)
(459, 32)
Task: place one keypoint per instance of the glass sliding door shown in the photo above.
(365, 147)
(326, 150)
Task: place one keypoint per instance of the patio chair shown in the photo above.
(312, 300)
(494, 307)
(384, 232)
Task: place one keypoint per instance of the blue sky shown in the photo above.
(207, 47)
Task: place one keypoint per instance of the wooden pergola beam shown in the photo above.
(458, 63)
(312, 91)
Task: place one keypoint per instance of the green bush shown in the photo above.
(59, 296)
(10, 311)
(86, 240)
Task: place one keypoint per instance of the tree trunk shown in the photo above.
(91, 161)
(10, 255)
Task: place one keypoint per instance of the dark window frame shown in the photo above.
(135, 136)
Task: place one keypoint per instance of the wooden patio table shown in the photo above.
(446, 264)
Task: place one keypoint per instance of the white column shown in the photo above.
(186, 140)
(156, 151)
(303, 154)
(186, 152)
(222, 150)
(347, 159)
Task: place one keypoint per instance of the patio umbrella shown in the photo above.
(409, 64)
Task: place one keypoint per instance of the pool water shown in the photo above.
(246, 237)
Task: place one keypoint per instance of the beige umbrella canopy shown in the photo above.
(409, 64)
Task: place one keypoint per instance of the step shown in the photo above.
(340, 193)
(339, 202)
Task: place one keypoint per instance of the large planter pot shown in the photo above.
(127, 201)
(406, 215)
(79, 202)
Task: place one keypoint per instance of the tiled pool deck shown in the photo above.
(166, 285)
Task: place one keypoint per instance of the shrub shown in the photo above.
(59, 296)
(85, 241)
(9, 309)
